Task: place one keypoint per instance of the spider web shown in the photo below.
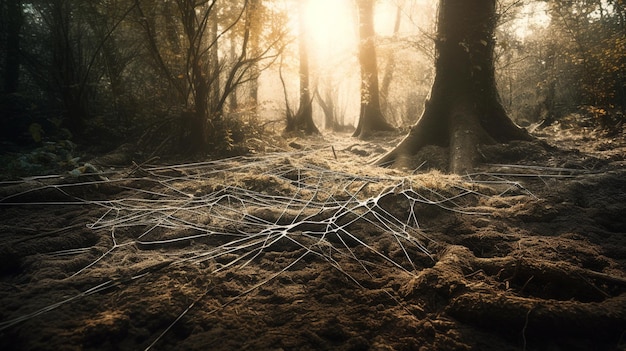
(222, 216)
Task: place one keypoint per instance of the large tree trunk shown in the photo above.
(371, 116)
(464, 109)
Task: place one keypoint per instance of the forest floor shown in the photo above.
(305, 246)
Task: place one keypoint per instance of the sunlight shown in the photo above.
(534, 16)
(384, 17)
(331, 26)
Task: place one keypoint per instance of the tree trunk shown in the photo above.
(256, 24)
(214, 65)
(200, 90)
(390, 67)
(464, 109)
(14, 22)
(328, 107)
(546, 92)
(233, 100)
(371, 116)
(303, 119)
(67, 67)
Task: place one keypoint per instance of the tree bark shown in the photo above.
(371, 116)
(464, 108)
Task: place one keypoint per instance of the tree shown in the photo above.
(14, 21)
(206, 81)
(62, 66)
(10, 58)
(255, 19)
(570, 59)
(71, 65)
(391, 59)
(328, 108)
(303, 118)
(464, 108)
(371, 116)
(596, 58)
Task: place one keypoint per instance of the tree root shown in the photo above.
(507, 313)
(536, 296)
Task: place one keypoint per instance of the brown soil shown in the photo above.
(313, 249)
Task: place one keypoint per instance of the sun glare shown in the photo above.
(330, 25)
(332, 34)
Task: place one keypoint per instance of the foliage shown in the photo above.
(49, 157)
(577, 60)
(117, 68)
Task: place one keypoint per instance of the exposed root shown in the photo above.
(533, 296)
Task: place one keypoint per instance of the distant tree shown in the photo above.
(371, 117)
(594, 34)
(545, 109)
(255, 20)
(390, 66)
(303, 118)
(327, 104)
(464, 108)
(573, 61)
